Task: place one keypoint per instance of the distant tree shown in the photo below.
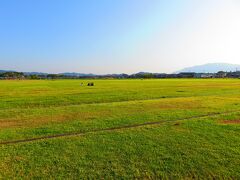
(34, 76)
(13, 75)
(148, 75)
(52, 76)
(58, 76)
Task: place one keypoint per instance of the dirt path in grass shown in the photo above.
(111, 129)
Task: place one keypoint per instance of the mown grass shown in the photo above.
(196, 148)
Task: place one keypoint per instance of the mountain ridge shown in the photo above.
(211, 68)
(205, 68)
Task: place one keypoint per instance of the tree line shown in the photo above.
(21, 75)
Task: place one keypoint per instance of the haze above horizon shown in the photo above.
(115, 36)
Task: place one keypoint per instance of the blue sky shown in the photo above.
(113, 36)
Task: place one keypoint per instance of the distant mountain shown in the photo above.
(3, 71)
(206, 68)
(211, 68)
(73, 74)
(142, 73)
(35, 73)
(25, 73)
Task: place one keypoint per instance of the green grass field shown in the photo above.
(196, 132)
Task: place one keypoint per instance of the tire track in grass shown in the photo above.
(111, 128)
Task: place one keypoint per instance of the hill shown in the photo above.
(3, 71)
(211, 68)
(74, 74)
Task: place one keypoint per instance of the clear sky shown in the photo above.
(115, 36)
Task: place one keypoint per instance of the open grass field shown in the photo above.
(170, 129)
